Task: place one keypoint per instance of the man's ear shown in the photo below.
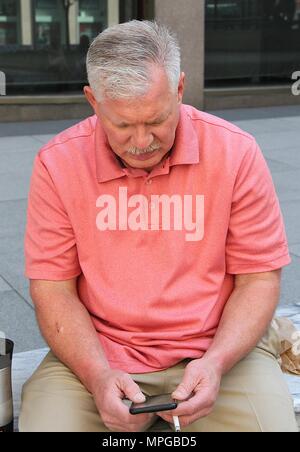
(181, 86)
(91, 98)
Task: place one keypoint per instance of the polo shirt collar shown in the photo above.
(186, 146)
(107, 165)
(185, 151)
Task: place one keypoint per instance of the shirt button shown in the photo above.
(149, 182)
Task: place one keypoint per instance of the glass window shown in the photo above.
(43, 43)
(251, 41)
(48, 22)
(9, 22)
(92, 19)
(136, 9)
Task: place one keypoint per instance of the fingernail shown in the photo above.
(178, 395)
(139, 398)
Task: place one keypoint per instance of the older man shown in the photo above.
(154, 248)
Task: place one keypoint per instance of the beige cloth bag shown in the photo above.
(283, 340)
(289, 345)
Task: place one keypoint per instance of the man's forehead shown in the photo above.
(158, 101)
(138, 111)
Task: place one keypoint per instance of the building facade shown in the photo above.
(232, 49)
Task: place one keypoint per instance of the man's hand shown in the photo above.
(198, 390)
(111, 388)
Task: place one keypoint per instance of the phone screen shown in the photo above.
(154, 404)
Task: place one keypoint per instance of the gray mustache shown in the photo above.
(137, 151)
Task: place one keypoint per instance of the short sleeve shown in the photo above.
(49, 243)
(256, 240)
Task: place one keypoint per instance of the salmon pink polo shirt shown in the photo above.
(155, 253)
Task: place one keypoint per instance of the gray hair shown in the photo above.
(119, 59)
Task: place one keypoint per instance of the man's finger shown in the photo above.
(132, 391)
(185, 389)
(120, 410)
(186, 420)
(191, 379)
(200, 401)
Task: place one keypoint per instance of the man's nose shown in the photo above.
(142, 138)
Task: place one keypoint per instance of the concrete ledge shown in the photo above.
(294, 387)
(245, 97)
(24, 364)
(75, 106)
(43, 107)
(43, 99)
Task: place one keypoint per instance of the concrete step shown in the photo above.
(25, 363)
(294, 387)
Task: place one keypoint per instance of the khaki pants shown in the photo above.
(253, 398)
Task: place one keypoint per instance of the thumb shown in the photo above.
(133, 392)
(184, 390)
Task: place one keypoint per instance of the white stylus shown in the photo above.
(176, 424)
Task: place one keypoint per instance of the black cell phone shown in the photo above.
(153, 404)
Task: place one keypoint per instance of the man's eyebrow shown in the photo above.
(157, 120)
(160, 118)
